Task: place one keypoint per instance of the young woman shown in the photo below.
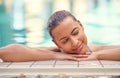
(68, 34)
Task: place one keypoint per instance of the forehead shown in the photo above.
(64, 28)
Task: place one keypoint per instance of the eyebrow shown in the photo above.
(74, 29)
(71, 33)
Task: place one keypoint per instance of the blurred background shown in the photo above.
(24, 21)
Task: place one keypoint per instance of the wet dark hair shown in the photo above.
(57, 18)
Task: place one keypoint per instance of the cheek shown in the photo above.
(57, 43)
(82, 37)
(66, 47)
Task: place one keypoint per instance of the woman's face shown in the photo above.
(69, 35)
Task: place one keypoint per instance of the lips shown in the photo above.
(78, 48)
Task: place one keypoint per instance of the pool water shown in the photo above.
(20, 24)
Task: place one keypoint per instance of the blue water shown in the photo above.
(104, 30)
(101, 23)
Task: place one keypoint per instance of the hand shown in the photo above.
(92, 56)
(73, 57)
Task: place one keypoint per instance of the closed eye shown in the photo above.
(76, 32)
(64, 40)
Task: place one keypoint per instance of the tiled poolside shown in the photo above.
(56, 67)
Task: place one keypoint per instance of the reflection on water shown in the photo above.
(24, 21)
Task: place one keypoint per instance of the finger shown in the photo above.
(80, 56)
(72, 59)
(85, 59)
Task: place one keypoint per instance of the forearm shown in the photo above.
(110, 54)
(23, 53)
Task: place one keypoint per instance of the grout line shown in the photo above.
(78, 64)
(9, 64)
(54, 63)
(101, 63)
(32, 64)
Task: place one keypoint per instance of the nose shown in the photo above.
(74, 41)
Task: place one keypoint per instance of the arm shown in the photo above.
(109, 54)
(19, 53)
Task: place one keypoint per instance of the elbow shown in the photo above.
(9, 59)
(6, 58)
(7, 53)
